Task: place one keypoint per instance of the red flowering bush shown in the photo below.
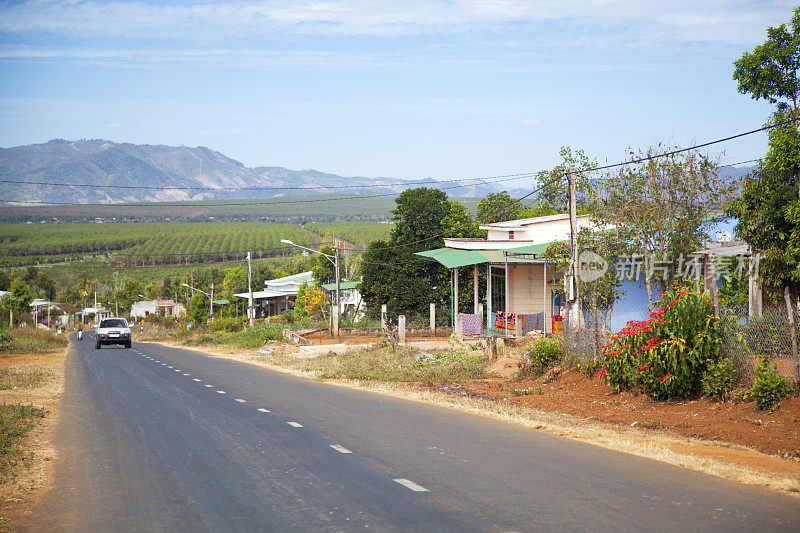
(666, 355)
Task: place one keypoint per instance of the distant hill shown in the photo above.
(101, 163)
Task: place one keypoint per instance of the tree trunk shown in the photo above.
(790, 313)
(647, 282)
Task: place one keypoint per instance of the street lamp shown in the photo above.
(334, 259)
(210, 296)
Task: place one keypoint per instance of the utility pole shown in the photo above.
(212, 300)
(338, 294)
(572, 283)
(249, 290)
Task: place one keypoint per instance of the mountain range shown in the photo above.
(97, 171)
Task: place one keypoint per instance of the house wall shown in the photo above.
(541, 232)
(528, 291)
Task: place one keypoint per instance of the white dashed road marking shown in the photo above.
(240, 400)
(264, 410)
(340, 449)
(209, 385)
(195, 379)
(295, 424)
(170, 367)
(220, 392)
(411, 485)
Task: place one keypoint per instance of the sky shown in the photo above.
(400, 89)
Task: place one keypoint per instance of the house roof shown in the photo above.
(455, 258)
(261, 295)
(301, 277)
(522, 222)
(342, 285)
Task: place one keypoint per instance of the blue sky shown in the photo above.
(405, 89)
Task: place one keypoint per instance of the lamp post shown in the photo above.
(210, 296)
(334, 259)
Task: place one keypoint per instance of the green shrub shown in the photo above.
(541, 354)
(769, 387)
(719, 380)
(5, 339)
(591, 366)
(230, 325)
(666, 355)
(256, 336)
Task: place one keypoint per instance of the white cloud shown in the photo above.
(530, 121)
(113, 124)
(682, 20)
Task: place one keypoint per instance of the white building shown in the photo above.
(278, 295)
(168, 308)
(520, 280)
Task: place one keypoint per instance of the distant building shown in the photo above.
(167, 308)
(278, 295)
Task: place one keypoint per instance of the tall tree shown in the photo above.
(770, 72)
(768, 212)
(554, 188)
(662, 203)
(391, 273)
(498, 207)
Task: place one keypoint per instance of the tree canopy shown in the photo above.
(768, 212)
(770, 71)
(499, 207)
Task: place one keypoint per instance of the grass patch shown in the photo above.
(35, 341)
(10, 379)
(16, 420)
(380, 364)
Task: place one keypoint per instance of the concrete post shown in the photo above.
(476, 300)
(384, 321)
(401, 328)
(433, 318)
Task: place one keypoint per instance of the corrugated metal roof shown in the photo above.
(342, 285)
(455, 258)
(261, 295)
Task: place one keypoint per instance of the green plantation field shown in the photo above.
(146, 244)
(290, 209)
(169, 246)
(358, 233)
(296, 209)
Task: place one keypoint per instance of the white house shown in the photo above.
(278, 295)
(520, 280)
(145, 308)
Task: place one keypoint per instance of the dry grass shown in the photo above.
(34, 341)
(36, 382)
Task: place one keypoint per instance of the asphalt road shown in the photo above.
(164, 439)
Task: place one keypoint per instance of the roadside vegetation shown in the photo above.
(32, 341)
(16, 420)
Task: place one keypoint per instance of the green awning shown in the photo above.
(342, 285)
(455, 258)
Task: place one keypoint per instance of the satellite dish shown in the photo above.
(724, 236)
